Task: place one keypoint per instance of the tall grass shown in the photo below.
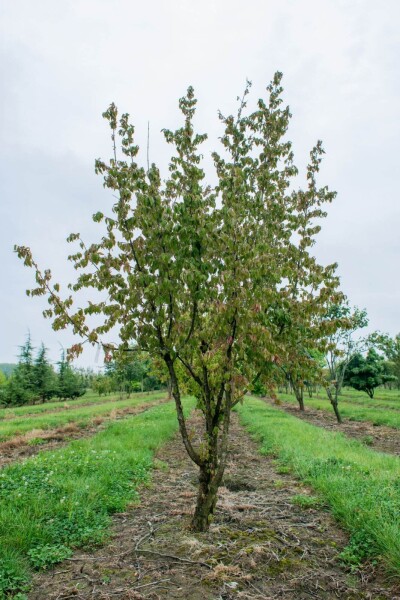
(361, 486)
(58, 501)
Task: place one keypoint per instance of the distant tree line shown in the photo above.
(34, 379)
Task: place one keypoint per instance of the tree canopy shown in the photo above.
(367, 373)
(216, 281)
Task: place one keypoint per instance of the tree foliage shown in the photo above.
(367, 373)
(45, 382)
(217, 282)
(341, 346)
(20, 388)
(34, 379)
(70, 384)
(391, 348)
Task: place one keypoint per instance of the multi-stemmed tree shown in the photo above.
(342, 344)
(217, 282)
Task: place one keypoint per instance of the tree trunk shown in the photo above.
(300, 399)
(299, 393)
(212, 466)
(206, 498)
(333, 398)
(336, 410)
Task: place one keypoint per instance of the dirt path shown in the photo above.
(378, 437)
(23, 446)
(260, 545)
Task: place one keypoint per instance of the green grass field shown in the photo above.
(81, 412)
(361, 486)
(87, 399)
(356, 406)
(61, 500)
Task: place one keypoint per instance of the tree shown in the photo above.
(391, 348)
(302, 369)
(133, 372)
(44, 378)
(3, 379)
(70, 384)
(3, 388)
(341, 347)
(366, 374)
(102, 384)
(217, 281)
(21, 386)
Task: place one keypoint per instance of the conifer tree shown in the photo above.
(44, 378)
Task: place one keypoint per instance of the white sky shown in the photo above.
(63, 62)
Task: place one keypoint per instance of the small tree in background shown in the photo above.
(132, 372)
(70, 384)
(44, 377)
(20, 387)
(3, 379)
(102, 385)
(366, 374)
(391, 348)
(342, 344)
(218, 282)
(302, 370)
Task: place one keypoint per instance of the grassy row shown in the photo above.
(58, 501)
(381, 393)
(380, 400)
(89, 398)
(81, 415)
(354, 412)
(391, 402)
(383, 398)
(361, 486)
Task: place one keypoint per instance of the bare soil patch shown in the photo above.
(22, 446)
(378, 437)
(259, 546)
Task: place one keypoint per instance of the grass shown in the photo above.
(81, 415)
(369, 410)
(361, 486)
(58, 501)
(89, 398)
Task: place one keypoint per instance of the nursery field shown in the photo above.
(25, 429)
(304, 511)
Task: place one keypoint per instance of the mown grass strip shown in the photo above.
(361, 486)
(58, 501)
(81, 415)
(353, 412)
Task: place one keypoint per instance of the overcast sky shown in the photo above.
(63, 62)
